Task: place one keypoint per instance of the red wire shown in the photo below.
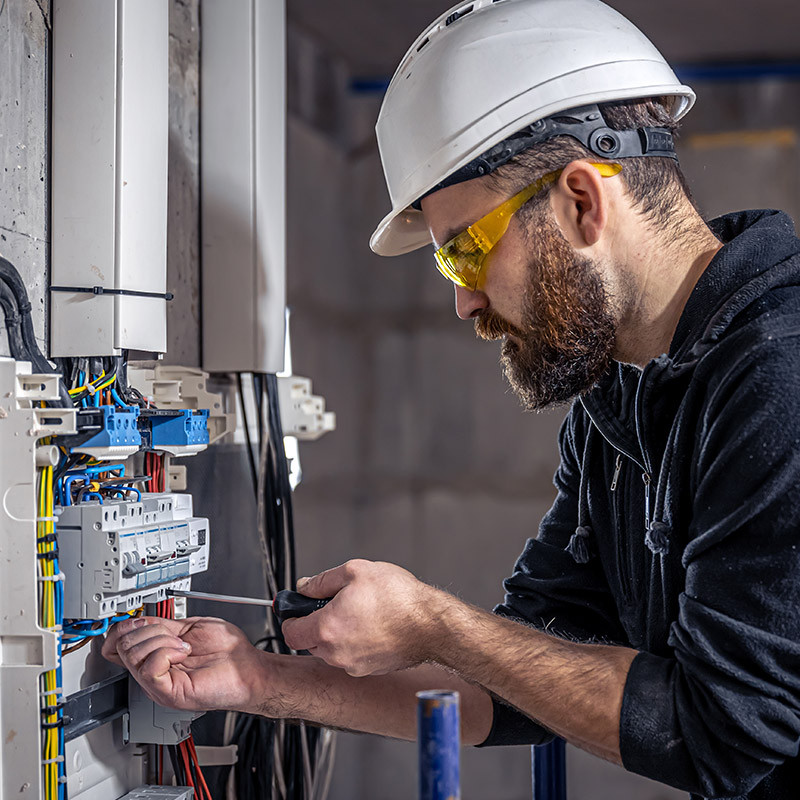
(160, 759)
(200, 777)
(184, 756)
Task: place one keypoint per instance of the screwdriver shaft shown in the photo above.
(220, 598)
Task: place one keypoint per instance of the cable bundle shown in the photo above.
(154, 466)
(51, 611)
(99, 381)
(21, 339)
(276, 759)
(183, 756)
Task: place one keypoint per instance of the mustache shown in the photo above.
(490, 326)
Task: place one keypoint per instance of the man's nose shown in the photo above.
(469, 304)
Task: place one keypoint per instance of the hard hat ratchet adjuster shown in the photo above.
(586, 124)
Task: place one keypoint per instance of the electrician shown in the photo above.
(653, 621)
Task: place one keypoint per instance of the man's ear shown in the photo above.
(580, 204)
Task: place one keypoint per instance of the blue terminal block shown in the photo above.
(188, 428)
(118, 434)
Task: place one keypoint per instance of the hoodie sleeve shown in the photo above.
(724, 709)
(549, 590)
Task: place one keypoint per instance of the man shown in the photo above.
(653, 620)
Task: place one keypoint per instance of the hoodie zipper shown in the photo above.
(647, 470)
(618, 499)
(617, 468)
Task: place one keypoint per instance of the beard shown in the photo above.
(568, 331)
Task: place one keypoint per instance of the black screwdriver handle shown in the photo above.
(289, 604)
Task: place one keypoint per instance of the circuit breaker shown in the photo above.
(118, 555)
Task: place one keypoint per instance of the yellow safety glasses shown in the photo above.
(461, 259)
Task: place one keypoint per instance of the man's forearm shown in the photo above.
(307, 688)
(573, 689)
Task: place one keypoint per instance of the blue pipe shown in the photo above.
(732, 71)
(549, 771)
(438, 736)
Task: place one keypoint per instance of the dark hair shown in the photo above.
(655, 184)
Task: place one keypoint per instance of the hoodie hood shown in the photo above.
(757, 245)
(634, 409)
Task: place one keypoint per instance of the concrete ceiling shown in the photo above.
(372, 35)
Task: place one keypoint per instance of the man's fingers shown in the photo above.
(135, 648)
(128, 633)
(328, 583)
(302, 633)
(154, 672)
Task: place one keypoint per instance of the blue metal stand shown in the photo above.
(549, 770)
(439, 739)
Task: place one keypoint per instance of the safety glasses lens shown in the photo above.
(461, 260)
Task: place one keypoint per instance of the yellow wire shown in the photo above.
(48, 620)
(95, 385)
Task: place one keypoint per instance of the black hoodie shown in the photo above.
(676, 531)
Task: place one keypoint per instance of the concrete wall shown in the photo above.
(24, 32)
(433, 465)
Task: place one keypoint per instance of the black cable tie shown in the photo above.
(102, 290)
(57, 724)
(54, 709)
(13, 320)
(24, 308)
(50, 555)
(48, 537)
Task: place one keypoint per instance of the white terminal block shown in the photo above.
(160, 793)
(303, 414)
(150, 723)
(120, 554)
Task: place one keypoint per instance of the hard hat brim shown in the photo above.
(400, 232)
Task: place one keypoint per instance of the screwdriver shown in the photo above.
(286, 605)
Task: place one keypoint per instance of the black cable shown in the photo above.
(246, 425)
(258, 396)
(13, 322)
(12, 278)
(255, 736)
(177, 767)
(284, 486)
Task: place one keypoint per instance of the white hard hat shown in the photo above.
(488, 68)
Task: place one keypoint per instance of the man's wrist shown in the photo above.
(286, 686)
(443, 616)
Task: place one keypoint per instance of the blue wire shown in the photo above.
(92, 494)
(130, 489)
(103, 468)
(86, 473)
(77, 628)
(117, 399)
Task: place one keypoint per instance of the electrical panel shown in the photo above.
(89, 536)
(95, 524)
(119, 555)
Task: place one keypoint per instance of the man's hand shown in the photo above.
(378, 621)
(200, 663)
